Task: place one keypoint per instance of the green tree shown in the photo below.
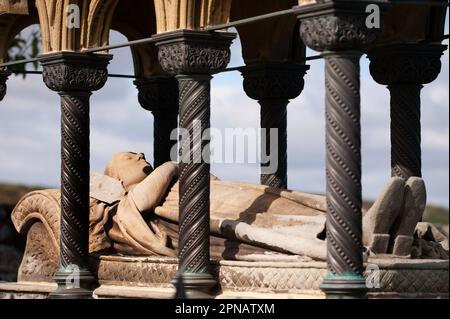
(24, 47)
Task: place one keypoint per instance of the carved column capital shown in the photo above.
(194, 52)
(3, 78)
(274, 80)
(273, 85)
(158, 94)
(336, 26)
(405, 69)
(67, 71)
(406, 63)
(339, 28)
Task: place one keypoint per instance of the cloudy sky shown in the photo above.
(29, 128)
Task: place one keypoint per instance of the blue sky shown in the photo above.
(29, 128)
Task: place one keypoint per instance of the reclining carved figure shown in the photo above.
(134, 211)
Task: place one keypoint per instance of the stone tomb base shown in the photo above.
(127, 277)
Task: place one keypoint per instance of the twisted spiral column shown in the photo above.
(274, 116)
(74, 178)
(194, 175)
(192, 56)
(74, 76)
(273, 85)
(406, 154)
(339, 30)
(404, 69)
(343, 173)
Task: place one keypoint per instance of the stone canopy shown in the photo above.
(273, 40)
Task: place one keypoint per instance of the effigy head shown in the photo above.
(129, 168)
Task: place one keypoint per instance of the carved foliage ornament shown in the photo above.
(274, 81)
(330, 33)
(75, 71)
(336, 25)
(158, 94)
(3, 77)
(406, 63)
(194, 52)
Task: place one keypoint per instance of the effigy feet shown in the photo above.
(393, 224)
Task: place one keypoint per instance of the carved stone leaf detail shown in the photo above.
(337, 32)
(63, 77)
(188, 58)
(75, 72)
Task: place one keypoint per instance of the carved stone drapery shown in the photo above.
(338, 27)
(192, 56)
(3, 78)
(404, 69)
(74, 76)
(273, 85)
(159, 95)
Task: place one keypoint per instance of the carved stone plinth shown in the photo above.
(339, 28)
(273, 85)
(3, 78)
(159, 95)
(404, 69)
(74, 76)
(192, 56)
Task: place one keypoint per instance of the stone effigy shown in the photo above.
(134, 212)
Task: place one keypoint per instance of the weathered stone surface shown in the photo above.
(105, 188)
(378, 221)
(414, 206)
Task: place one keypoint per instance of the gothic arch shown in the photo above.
(13, 20)
(95, 23)
(273, 40)
(190, 14)
(138, 22)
